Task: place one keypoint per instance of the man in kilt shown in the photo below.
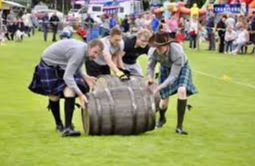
(175, 76)
(59, 75)
(135, 46)
(111, 58)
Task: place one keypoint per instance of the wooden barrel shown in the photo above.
(122, 111)
(110, 81)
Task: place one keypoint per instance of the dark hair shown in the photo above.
(115, 31)
(160, 39)
(160, 27)
(96, 42)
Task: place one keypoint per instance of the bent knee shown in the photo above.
(54, 98)
(164, 103)
(69, 92)
(182, 93)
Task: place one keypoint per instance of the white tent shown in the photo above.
(9, 4)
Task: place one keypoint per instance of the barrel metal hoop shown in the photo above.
(115, 82)
(86, 116)
(153, 111)
(101, 81)
(146, 117)
(112, 110)
(107, 78)
(134, 110)
(99, 113)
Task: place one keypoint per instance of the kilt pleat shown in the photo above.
(48, 80)
(184, 80)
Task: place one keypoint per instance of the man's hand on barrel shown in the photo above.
(156, 90)
(149, 82)
(91, 81)
(83, 101)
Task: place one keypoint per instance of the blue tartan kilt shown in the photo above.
(184, 80)
(48, 80)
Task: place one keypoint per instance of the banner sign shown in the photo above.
(104, 1)
(240, 8)
(111, 7)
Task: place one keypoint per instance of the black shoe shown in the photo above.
(68, 132)
(59, 128)
(181, 131)
(161, 122)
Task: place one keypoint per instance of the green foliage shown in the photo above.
(220, 125)
(199, 3)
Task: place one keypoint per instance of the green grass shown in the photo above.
(220, 125)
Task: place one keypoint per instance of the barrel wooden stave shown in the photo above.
(110, 81)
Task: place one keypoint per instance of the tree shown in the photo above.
(199, 3)
(146, 4)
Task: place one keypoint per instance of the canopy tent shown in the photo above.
(9, 4)
(78, 2)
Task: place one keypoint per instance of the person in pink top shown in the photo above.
(173, 25)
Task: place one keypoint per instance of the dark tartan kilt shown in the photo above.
(184, 80)
(48, 80)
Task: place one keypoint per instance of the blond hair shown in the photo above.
(144, 33)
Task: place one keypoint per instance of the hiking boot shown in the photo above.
(69, 132)
(181, 131)
(161, 122)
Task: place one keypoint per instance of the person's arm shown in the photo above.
(108, 59)
(82, 71)
(179, 59)
(90, 80)
(71, 68)
(151, 64)
(120, 63)
(50, 19)
(120, 55)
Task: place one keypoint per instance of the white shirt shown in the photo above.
(68, 29)
(241, 37)
(194, 26)
(27, 20)
(230, 22)
(109, 48)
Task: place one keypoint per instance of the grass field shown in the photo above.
(220, 125)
